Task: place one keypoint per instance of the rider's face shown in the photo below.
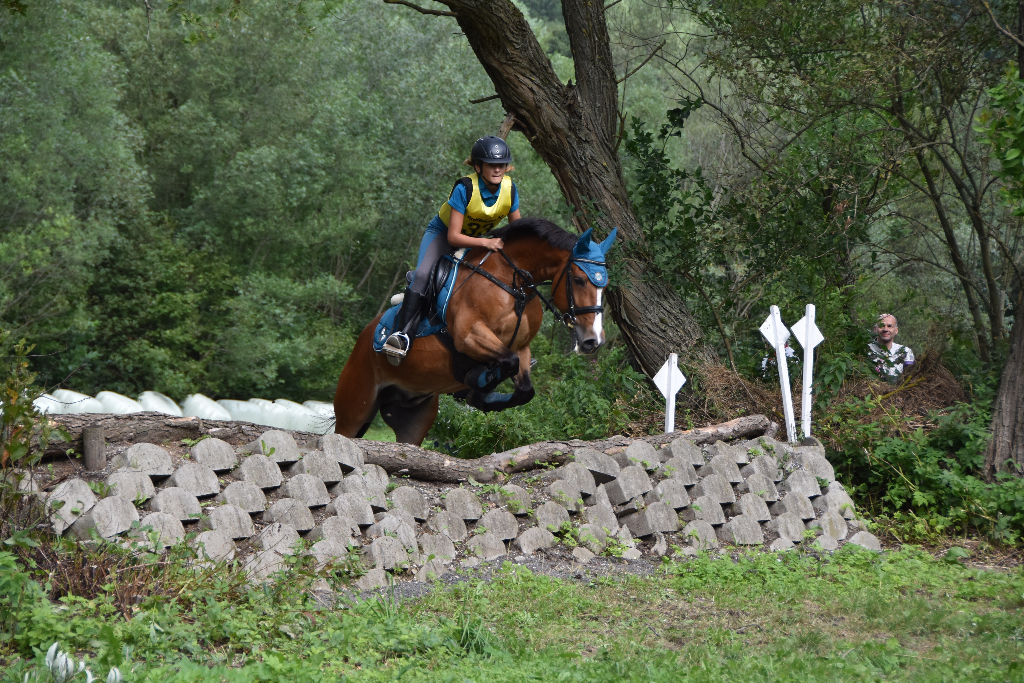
(492, 173)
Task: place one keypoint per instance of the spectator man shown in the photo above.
(889, 358)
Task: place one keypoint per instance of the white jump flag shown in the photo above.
(669, 381)
(809, 336)
(777, 334)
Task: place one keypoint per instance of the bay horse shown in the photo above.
(492, 316)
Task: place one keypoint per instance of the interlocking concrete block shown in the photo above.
(593, 537)
(260, 470)
(500, 523)
(328, 551)
(401, 514)
(346, 453)
(486, 546)
(582, 555)
(515, 499)
(671, 492)
(412, 501)
(448, 524)
(357, 484)
(280, 538)
(436, 547)
(643, 454)
(781, 544)
(551, 516)
(535, 538)
(245, 495)
(232, 520)
(601, 466)
(724, 466)
(764, 465)
(214, 546)
(168, 529)
(386, 552)
(625, 537)
(866, 540)
(566, 494)
(393, 525)
(680, 469)
(631, 482)
(146, 458)
(375, 475)
(687, 451)
(629, 507)
(706, 509)
(198, 480)
(218, 455)
(816, 464)
(741, 530)
(803, 482)
(602, 516)
(309, 489)
(772, 447)
(263, 565)
(131, 485)
(655, 517)
(831, 524)
(430, 571)
(788, 526)
(107, 519)
(340, 529)
(463, 504)
(797, 503)
(761, 486)
(600, 496)
(292, 512)
(736, 453)
(579, 476)
(176, 502)
(700, 535)
(373, 578)
(835, 500)
(319, 465)
(825, 543)
(752, 505)
(715, 487)
(277, 445)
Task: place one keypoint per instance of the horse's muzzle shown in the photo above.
(589, 345)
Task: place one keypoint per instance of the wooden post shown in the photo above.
(94, 445)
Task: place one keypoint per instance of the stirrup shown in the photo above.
(396, 346)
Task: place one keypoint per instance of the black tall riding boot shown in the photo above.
(406, 322)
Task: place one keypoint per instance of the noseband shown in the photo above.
(523, 289)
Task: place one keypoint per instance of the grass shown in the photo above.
(855, 616)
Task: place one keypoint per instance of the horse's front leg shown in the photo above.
(481, 344)
(523, 393)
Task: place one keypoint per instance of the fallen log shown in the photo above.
(396, 458)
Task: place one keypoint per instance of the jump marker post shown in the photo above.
(777, 334)
(669, 381)
(809, 336)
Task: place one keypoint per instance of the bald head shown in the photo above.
(886, 329)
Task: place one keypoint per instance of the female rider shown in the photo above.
(477, 203)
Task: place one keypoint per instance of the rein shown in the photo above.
(523, 292)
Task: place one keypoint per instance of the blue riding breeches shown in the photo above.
(434, 246)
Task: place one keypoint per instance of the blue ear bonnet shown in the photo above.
(590, 256)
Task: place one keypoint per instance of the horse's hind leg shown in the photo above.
(410, 418)
(356, 400)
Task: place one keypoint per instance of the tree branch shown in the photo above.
(484, 99)
(422, 10)
(1002, 29)
(642, 64)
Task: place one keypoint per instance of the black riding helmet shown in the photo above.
(491, 150)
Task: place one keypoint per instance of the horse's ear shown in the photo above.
(583, 243)
(609, 241)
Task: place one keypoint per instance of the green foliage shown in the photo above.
(1002, 127)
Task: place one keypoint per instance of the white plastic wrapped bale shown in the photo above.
(48, 405)
(200, 406)
(321, 408)
(243, 411)
(305, 420)
(277, 415)
(158, 403)
(75, 402)
(118, 404)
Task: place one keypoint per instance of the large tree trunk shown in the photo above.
(573, 128)
(1006, 450)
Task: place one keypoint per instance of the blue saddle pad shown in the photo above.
(429, 325)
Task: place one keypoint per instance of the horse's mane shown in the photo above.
(538, 227)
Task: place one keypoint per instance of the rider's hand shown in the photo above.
(494, 244)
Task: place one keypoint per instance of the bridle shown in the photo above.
(523, 289)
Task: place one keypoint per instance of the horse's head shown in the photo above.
(586, 279)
